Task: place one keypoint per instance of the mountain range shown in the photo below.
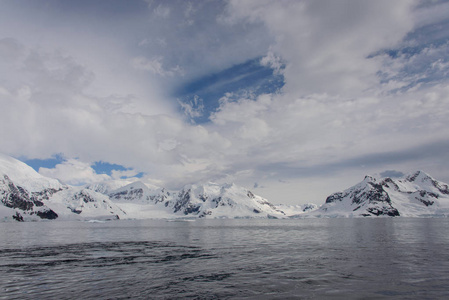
(25, 195)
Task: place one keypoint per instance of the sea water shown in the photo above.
(374, 258)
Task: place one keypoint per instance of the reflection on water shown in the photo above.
(210, 259)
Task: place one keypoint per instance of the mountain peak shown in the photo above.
(419, 176)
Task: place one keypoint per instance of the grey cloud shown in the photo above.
(413, 157)
(392, 173)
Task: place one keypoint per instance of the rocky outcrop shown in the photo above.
(22, 202)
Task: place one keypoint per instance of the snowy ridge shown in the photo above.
(415, 195)
(16, 198)
(138, 192)
(25, 195)
(221, 201)
(83, 204)
(296, 210)
(25, 176)
(31, 196)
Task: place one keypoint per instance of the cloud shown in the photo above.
(364, 91)
(155, 66)
(120, 174)
(162, 11)
(74, 172)
(324, 43)
(193, 108)
(392, 173)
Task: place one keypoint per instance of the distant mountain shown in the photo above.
(415, 195)
(138, 192)
(221, 201)
(27, 195)
(297, 210)
(194, 201)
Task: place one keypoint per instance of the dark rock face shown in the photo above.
(84, 196)
(373, 193)
(162, 196)
(47, 214)
(45, 194)
(379, 211)
(127, 194)
(442, 188)
(184, 199)
(17, 197)
(18, 217)
(371, 196)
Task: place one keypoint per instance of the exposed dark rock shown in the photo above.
(334, 197)
(17, 197)
(47, 214)
(378, 211)
(18, 217)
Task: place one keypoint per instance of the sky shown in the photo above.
(294, 100)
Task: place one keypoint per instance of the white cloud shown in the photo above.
(162, 11)
(155, 66)
(74, 172)
(119, 174)
(193, 108)
(326, 43)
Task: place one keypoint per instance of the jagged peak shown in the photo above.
(419, 176)
(369, 178)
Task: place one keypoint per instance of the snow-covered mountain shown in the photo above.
(77, 203)
(221, 201)
(138, 192)
(25, 176)
(209, 200)
(17, 201)
(414, 195)
(27, 195)
(297, 210)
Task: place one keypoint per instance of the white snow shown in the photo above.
(25, 176)
(415, 195)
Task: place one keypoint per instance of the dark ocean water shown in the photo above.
(218, 259)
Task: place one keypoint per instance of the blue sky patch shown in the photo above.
(249, 76)
(101, 167)
(49, 163)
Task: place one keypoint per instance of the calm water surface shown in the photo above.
(217, 259)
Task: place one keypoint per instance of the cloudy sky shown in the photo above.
(292, 99)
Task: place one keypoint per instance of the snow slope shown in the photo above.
(78, 203)
(221, 201)
(25, 176)
(26, 195)
(416, 195)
